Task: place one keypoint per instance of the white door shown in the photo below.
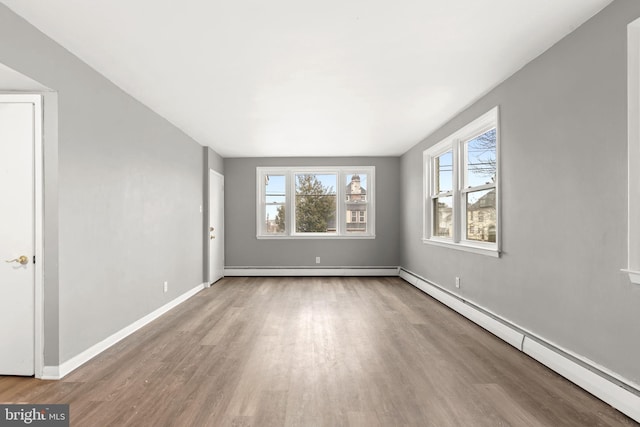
(216, 226)
(17, 247)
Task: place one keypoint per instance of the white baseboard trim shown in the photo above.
(50, 373)
(58, 372)
(309, 271)
(622, 394)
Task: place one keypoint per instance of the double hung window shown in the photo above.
(461, 183)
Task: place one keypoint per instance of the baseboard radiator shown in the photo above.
(607, 386)
(310, 271)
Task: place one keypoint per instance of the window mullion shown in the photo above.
(291, 202)
(341, 216)
(457, 183)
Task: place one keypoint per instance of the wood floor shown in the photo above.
(314, 352)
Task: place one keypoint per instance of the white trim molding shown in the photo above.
(611, 388)
(309, 271)
(39, 233)
(455, 147)
(633, 112)
(38, 227)
(467, 247)
(59, 372)
(51, 373)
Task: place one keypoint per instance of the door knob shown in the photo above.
(213, 237)
(211, 228)
(22, 260)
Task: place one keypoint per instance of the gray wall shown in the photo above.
(564, 200)
(243, 249)
(214, 161)
(129, 191)
(50, 227)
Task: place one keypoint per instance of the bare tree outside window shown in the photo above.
(481, 159)
(481, 172)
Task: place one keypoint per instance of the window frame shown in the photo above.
(456, 143)
(262, 202)
(434, 194)
(290, 173)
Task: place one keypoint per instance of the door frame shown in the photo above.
(209, 254)
(38, 244)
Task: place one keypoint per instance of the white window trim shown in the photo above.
(341, 222)
(454, 143)
(633, 111)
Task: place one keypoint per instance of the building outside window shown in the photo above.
(356, 204)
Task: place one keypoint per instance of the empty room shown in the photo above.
(419, 213)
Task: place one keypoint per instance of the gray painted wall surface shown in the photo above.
(564, 200)
(129, 191)
(243, 249)
(51, 241)
(214, 161)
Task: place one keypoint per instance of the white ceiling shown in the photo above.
(307, 78)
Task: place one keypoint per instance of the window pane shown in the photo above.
(444, 172)
(481, 159)
(442, 216)
(481, 215)
(356, 218)
(275, 199)
(315, 203)
(356, 202)
(356, 188)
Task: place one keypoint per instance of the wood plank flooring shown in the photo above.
(314, 352)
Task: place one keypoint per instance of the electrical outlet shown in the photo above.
(457, 282)
(166, 286)
(317, 260)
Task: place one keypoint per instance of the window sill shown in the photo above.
(634, 276)
(482, 250)
(321, 237)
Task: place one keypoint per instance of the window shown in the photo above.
(325, 202)
(461, 188)
(275, 203)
